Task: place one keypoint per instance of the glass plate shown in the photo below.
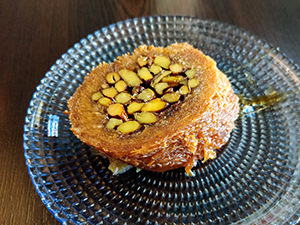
(255, 178)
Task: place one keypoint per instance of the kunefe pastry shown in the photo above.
(157, 109)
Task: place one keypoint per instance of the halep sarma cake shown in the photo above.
(156, 109)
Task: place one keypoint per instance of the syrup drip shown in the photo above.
(259, 103)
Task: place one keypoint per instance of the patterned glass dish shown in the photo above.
(254, 180)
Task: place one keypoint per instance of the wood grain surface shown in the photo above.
(34, 33)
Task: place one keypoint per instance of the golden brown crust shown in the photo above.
(203, 121)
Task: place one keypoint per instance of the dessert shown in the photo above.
(157, 109)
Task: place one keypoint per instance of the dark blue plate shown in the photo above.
(255, 178)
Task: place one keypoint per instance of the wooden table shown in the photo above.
(34, 33)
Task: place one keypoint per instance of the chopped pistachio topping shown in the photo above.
(96, 96)
(171, 97)
(104, 101)
(190, 73)
(129, 127)
(123, 98)
(160, 87)
(145, 117)
(130, 77)
(161, 76)
(142, 60)
(145, 74)
(135, 98)
(120, 86)
(117, 110)
(134, 107)
(112, 78)
(176, 68)
(183, 90)
(146, 95)
(155, 69)
(173, 79)
(112, 123)
(110, 92)
(193, 83)
(162, 61)
(154, 106)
